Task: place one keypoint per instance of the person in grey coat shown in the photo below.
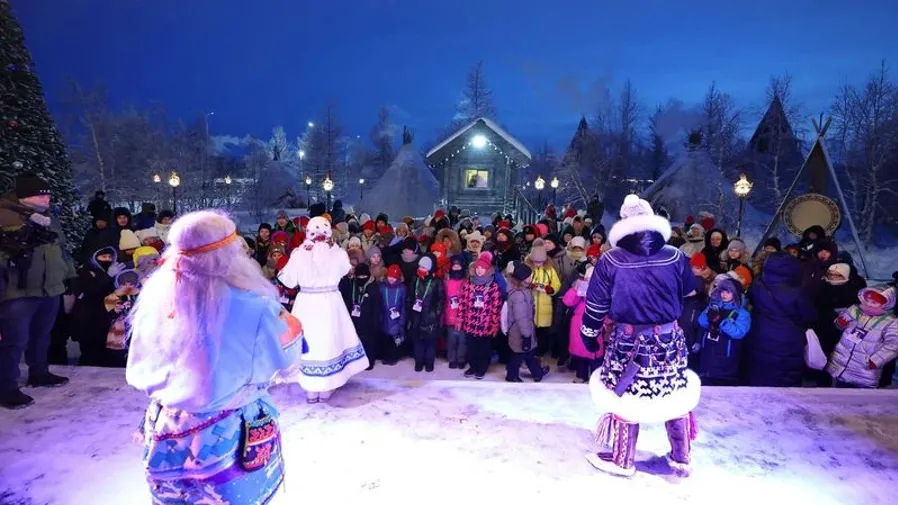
(521, 327)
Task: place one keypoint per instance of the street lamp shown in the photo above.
(361, 188)
(156, 180)
(228, 181)
(742, 187)
(302, 155)
(554, 183)
(311, 124)
(328, 186)
(540, 185)
(308, 191)
(174, 181)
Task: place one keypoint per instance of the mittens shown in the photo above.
(281, 263)
(115, 269)
(844, 320)
(549, 290)
(526, 342)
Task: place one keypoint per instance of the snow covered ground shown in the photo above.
(421, 441)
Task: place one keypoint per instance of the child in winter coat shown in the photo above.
(118, 304)
(376, 263)
(425, 313)
(869, 340)
(362, 298)
(277, 258)
(545, 284)
(440, 253)
(455, 341)
(726, 323)
(146, 261)
(393, 296)
(479, 310)
(89, 315)
(521, 330)
(583, 361)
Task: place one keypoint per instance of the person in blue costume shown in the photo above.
(634, 299)
(208, 335)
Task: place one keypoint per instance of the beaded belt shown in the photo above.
(319, 290)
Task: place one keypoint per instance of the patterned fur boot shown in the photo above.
(617, 452)
(680, 437)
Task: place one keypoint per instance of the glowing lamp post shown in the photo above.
(308, 191)
(540, 185)
(157, 179)
(554, 184)
(361, 188)
(328, 186)
(174, 181)
(742, 187)
(228, 181)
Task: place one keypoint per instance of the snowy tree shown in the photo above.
(866, 145)
(323, 150)
(29, 140)
(279, 148)
(658, 155)
(476, 100)
(721, 122)
(383, 138)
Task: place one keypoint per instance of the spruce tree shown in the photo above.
(29, 140)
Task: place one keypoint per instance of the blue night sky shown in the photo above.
(260, 64)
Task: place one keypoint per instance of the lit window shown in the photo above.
(476, 179)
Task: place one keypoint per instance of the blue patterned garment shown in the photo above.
(194, 427)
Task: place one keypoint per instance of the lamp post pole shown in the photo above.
(308, 192)
(157, 179)
(361, 189)
(174, 181)
(555, 182)
(742, 187)
(540, 185)
(227, 181)
(328, 185)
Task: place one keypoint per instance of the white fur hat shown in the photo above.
(637, 216)
(128, 240)
(634, 206)
(318, 230)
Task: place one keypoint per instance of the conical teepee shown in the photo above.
(407, 188)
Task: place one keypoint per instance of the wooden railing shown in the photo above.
(524, 212)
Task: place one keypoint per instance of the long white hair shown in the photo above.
(181, 308)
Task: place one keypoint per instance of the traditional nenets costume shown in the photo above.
(208, 335)
(634, 299)
(336, 353)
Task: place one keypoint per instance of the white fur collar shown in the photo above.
(637, 224)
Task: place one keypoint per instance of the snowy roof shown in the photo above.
(492, 126)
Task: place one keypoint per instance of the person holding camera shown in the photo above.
(34, 272)
(725, 323)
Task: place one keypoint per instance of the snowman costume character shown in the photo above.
(335, 351)
(634, 299)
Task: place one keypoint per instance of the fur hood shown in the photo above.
(456, 241)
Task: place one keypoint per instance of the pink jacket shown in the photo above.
(453, 291)
(576, 347)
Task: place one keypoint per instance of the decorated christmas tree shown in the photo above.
(29, 140)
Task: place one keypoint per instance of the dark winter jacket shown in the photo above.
(393, 301)
(90, 318)
(146, 218)
(814, 269)
(713, 254)
(506, 252)
(364, 306)
(782, 311)
(424, 320)
(692, 309)
(725, 325)
(96, 239)
(807, 246)
(47, 267)
(827, 300)
(122, 211)
(641, 281)
(338, 215)
(99, 207)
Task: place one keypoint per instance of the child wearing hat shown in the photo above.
(393, 296)
(869, 340)
(726, 323)
(118, 304)
(425, 313)
(521, 330)
(479, 311)
(545, 284)
(583, 361)
(455, 338)
(361, 295)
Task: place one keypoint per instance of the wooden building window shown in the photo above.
(477, 179)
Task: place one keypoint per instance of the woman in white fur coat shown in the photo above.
(335, 351)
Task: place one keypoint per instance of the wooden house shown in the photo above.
(478, 168)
